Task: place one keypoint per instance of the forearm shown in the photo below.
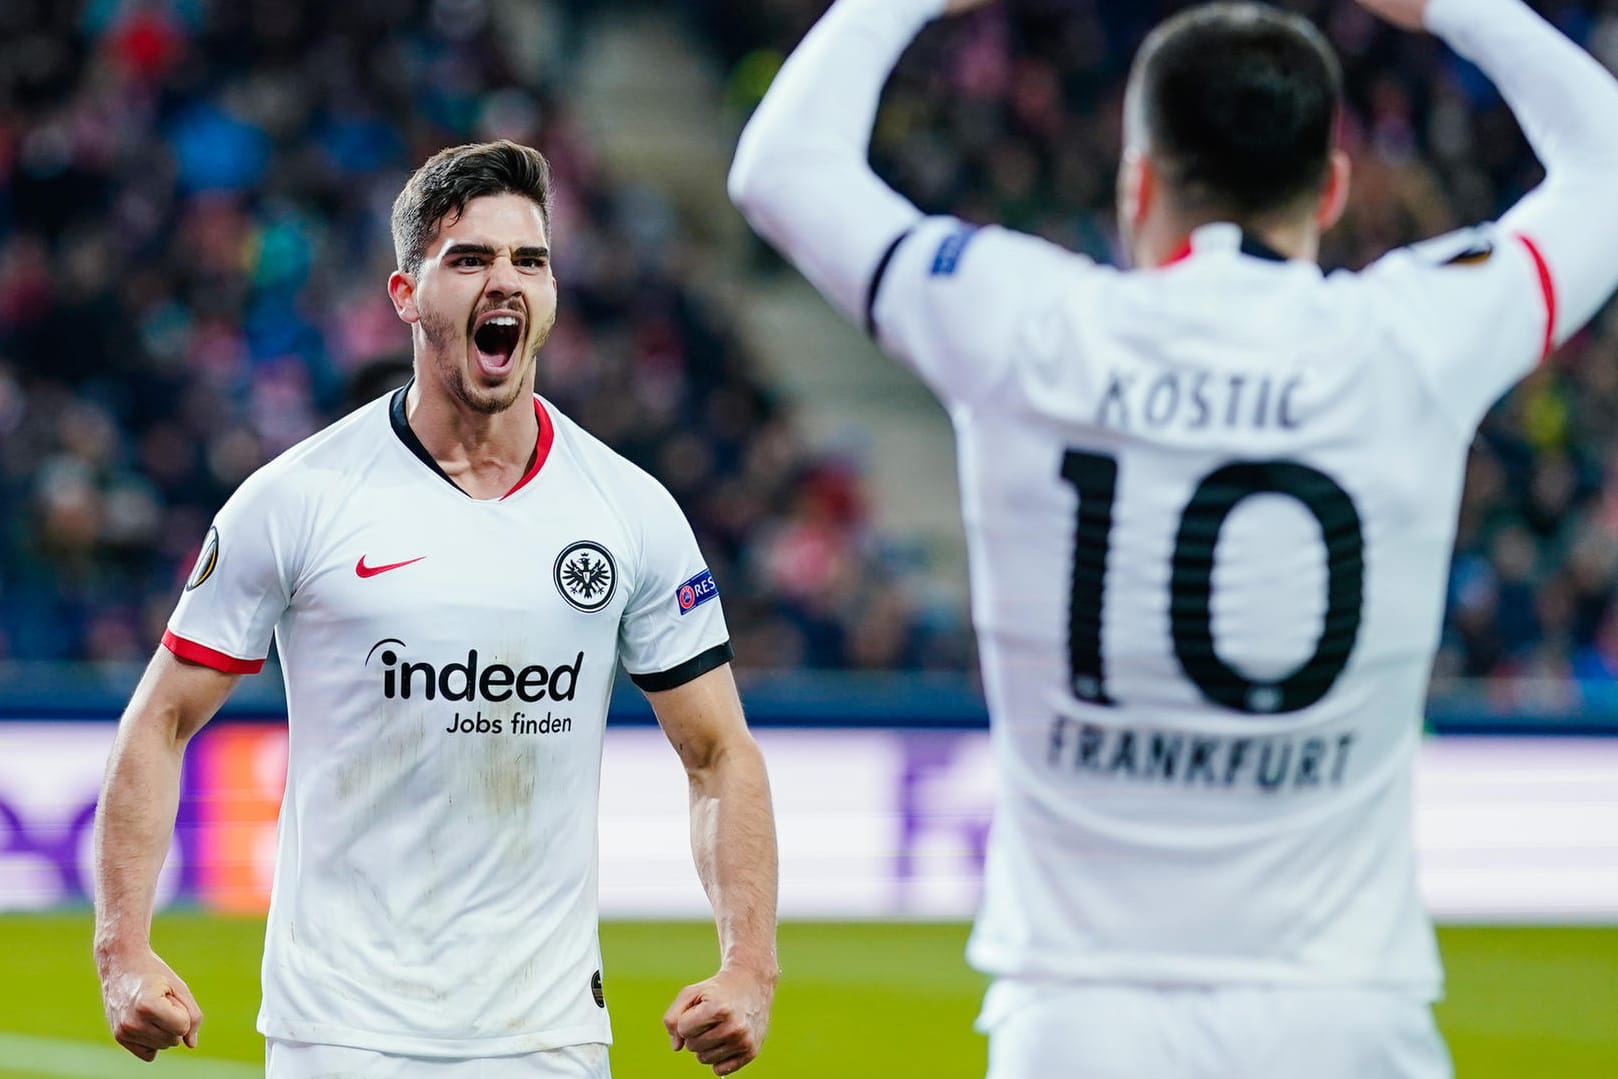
(134, 825)
(801, 175)
(1567, 105)
(733, 843)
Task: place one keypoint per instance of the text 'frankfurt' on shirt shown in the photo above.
(1269, 764)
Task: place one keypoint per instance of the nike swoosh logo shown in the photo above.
(361, 569)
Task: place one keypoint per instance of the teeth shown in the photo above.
(502, 320)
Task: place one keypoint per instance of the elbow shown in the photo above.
(711, 764)
(761, 173)
(745, 184)
(739, 185)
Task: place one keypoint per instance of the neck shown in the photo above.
(484, 453)
(1294, 236)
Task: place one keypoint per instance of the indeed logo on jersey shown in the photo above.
(695, 592)
(471, 680)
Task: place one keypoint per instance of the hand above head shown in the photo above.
(148, 1007)
(1405, 14)
(961, 7)
(722, 1020)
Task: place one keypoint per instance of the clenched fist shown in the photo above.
(148, 1007)
(722, 1020)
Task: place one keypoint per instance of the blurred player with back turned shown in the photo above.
(1210, 504)
(452, 574)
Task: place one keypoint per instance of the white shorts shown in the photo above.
(1040, 1030)
(296, 1060)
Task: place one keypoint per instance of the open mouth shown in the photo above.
(496, 339)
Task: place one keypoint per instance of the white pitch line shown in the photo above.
(61, 1058)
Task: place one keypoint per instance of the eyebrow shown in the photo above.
(456, 249)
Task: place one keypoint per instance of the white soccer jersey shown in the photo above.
(1209, 510)
(448, 663)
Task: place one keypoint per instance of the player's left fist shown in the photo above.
(722, 1020)
(961, 7)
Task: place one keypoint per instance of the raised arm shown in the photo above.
(802, 179)
(801, 175)
(148, 1007)
(1567, 104)
(723, 1019)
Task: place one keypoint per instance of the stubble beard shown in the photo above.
(448, 351)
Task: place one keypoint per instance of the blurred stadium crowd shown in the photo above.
(193, 243)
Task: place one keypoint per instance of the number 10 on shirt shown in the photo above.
(1095, 477)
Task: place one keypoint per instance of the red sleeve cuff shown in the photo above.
(201, 653)
(1547, 288)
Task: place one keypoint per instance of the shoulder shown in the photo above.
(946, 247)
(1466, 280)
(954, 300)
(1478, 248)
(620, 482)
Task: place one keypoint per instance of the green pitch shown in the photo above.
(856, 1000)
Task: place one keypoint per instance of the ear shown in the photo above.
(402, 291)
(1137, 188)
(1334, 199)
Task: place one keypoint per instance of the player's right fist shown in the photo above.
(148, 1007)
(961, 7)
(1405, 14)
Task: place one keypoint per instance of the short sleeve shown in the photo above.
(240, 585)
(1478, 306)
(949, 298)
(673, 627)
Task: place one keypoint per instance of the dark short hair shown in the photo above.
(1239, 101)
(454, 177)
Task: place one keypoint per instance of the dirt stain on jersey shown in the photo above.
(385, 764)
(505, 768)
(508, 778)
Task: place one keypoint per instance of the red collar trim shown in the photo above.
(1179, 254)
(542, 447)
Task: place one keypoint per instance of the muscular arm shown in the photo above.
(723, 1019)
(1567, 104)
(148, 1007)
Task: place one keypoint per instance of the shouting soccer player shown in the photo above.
(452, 574)
(1210, 504)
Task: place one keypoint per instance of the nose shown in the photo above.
(503, 278)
